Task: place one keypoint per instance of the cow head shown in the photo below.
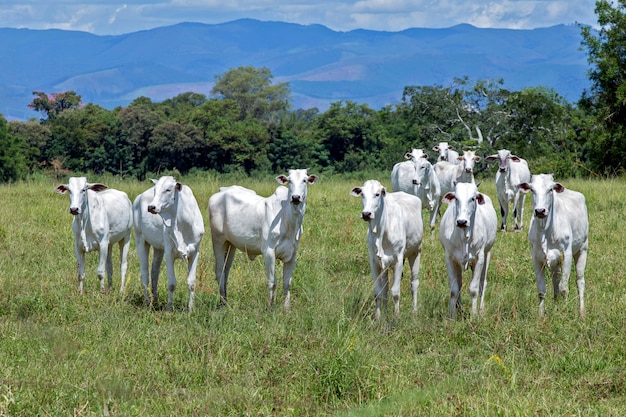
(504, 158)
(77, 189)
(297, 182)
(442, 148)
(372, 194)
(543, 188)
(467, 160)
(165, 190)
(466, 198)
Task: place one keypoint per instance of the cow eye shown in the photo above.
(377, 194)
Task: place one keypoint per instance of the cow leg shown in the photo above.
(565, 266)
(109, 266)
(80, 260)
(433, 218)
(124, 249)
(455, 274)
(157, 259)
(395, 285)
(192, 265)
(379, 276)
(143, 252)
(479, 285)
(102, 263)
(171, 277)
(504, 212)
(269, 258)
(580, 262)
(224, 256)
(414, 265)
(539, 266)
(288, 268)
(519, 210)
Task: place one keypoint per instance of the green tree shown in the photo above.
(352, 136)
(252, 89)
(12, 150)
(606, 98)
(36, 136)
(51, 105)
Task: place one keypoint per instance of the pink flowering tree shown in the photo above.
(51, 105)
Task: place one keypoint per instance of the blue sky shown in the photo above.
(111, 18)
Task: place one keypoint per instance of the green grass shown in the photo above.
(62, 354)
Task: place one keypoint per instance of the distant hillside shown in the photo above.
(321, 65)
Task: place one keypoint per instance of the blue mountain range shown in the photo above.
(321, 65)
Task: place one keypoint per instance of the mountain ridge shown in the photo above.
(320, 64)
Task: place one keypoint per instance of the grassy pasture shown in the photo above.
(62, 354)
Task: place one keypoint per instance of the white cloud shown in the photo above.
(105, 17)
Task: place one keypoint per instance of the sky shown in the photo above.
(102, 17)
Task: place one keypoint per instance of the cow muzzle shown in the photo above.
(502, 169)
(296, 199)
(541, 213)
(367, 215)
(462, 223)
(152, 209)
(74, 211)
(416, 182)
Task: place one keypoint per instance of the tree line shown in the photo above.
(247, 125)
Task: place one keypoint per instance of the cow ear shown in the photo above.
(408, 155)
(491, 158)
(283, 180)
(448, 198)
(154, 181)
(460, 158)
(480, 198)
(425, 155)
(62, 189)
(383, 192)
(356, 191)
(313, 179)
(178, 186)
(436, 148)
(558, 187)
(477, 159)
(97, 187)
(515, 158)
(524, 187)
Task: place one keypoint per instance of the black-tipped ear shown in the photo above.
(356, 191)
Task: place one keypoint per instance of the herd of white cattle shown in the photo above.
(167, 219)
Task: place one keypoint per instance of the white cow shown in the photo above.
(102, 216)
(512, 171)
(269, 226)
(395, 232)
(558, 234)
(467, 234)
(418, 177)
(168, 219)
(446, 153)
(463, 171)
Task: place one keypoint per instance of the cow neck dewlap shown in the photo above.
(378, 227)
(297, 213)
(171, 229)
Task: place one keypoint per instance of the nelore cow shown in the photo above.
(512, 171)
(418, 177)
(395, 232)
(168, 219)
(558, 235)
(446, 153)
(102, 217)
(268, 226)
(463, 171)
(467, 234)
